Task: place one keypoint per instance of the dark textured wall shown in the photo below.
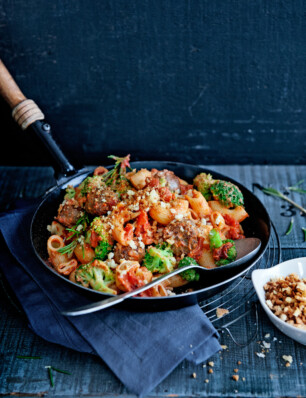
(214, 81)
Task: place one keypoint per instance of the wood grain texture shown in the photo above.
(197, 81)
(264, 377)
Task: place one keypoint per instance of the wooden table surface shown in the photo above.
(259, 377)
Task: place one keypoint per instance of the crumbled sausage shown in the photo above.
(183, 235)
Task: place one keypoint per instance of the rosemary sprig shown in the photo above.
(28, 357)
(295, 187)
(50, 375)
(116, 173)
(276, 193)
(61, 371)
(304, 230)
(68, 249)
(290, 227)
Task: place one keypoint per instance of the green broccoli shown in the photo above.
(231, 254)
(190, 274)
(215, 239)
(70, 192)
(102, 250)
(203, 182)
(216, 243)
(105, 241)
(159, 259)
(227, 193)
(97, 275)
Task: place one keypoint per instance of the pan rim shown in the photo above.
(89, 169)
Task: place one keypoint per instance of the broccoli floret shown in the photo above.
(70, 192)
(190, 274)
(227, 193)
(231, 254)
(159, 259)
(96, 275)
(105, 241)
(102, 250)
(216, 243)
(215, 239)
(203, 182)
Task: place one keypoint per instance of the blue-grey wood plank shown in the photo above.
(264, 377)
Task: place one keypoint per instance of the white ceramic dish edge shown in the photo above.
(261, 276)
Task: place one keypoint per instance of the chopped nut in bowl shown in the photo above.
(282, 293)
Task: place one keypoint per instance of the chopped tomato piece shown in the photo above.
(185, 188)
(128, 232)
(94, 239)
(196, 253)
(165, 194)
(143, 228)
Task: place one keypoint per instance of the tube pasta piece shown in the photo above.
(84, 253)
(161, 214)
(54, 243)
(176, 281)
(164, 215)
(238, 213)
(67, 268)
(217, 220)
(139, 179)
(157, 290)
(56, 228)
(129, 275)
(198, 204)
(206, 259)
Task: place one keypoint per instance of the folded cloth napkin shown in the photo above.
(132, 344)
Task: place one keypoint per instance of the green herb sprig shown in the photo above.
(295, 188)
(290, 227)
(68, 249)
(304, 230)
(116, 173)
(50, 368)
(276, 193)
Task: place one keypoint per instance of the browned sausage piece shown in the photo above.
(100, 200)
(69, 212)
(128, 253)
(183, 236)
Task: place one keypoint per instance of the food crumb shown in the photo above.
(243, 379)
(206, 381)
(190, 346)
(235, 377)
(210, 370)
(204, 366)
(287, 364)
(260, 355)
(220, 312)
(236, 370)
(267, 335)
(266, 345)
(224, 347)
(239, 362)
(194, 375)
(287, 358)
(211, 364)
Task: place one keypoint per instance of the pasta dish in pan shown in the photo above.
(121, 228)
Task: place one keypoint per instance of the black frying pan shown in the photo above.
(29, 116)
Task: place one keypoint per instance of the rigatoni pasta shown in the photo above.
(121, 228)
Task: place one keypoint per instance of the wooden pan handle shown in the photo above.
(25, 111)
(8, 87)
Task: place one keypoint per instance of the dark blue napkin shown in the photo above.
(130, 343)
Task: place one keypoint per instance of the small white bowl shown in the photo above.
(261, 276)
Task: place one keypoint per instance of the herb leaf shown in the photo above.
(61, 371)
(68, 249)
(304, 230)
(290, 227)
(276, 193)
(50, 375)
